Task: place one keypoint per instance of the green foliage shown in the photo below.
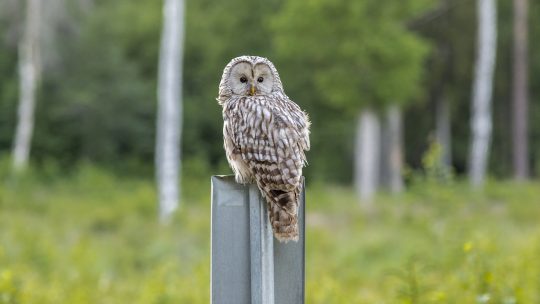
(92, 237)
(436, 245)
(336, 57)
(99, 104)
(230, 29)
(534, 87)
(8, 96)
(434, 170)
(9, 288)
(355, 53)
(97, 99)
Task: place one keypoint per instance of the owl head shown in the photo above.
(249, 76)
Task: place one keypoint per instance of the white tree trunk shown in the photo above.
(482, 91)
(29, 76)
(367, 152)
(443, 131)
(394, 160)
(384, 158)
(169, 120)
(520, 96)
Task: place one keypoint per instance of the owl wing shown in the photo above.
(271, 136)
(300, 122)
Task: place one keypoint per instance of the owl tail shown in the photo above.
(283, 213)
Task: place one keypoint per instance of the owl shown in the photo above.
(265, 135)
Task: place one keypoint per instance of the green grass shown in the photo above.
(92, 237)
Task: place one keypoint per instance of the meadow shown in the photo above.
(90, 236)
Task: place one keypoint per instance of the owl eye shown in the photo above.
(260, 79)
(243, 79)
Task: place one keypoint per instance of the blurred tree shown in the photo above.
(443, 131)
(97, 99)
(37, 51)
(10, 14)
(30, 74)
(446, 86)
(169, 120)
(520, 98)
(440, 74)
(367, 155)
(392, 146)
(100, 96)
(481, 121)
(534, 87)
(357, 57)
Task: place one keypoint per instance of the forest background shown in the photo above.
(97, 98)
(389, 87)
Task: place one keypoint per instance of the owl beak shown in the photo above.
(252, 90)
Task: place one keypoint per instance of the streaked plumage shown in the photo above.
(265, 136)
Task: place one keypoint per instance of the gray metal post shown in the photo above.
(261, 249)
(248, 264)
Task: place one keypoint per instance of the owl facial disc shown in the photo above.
(249, 79)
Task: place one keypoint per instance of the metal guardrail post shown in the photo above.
(248, 264)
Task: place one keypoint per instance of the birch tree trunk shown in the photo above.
(391, 159)
(395, 149)
(384, 155)
(169, 120)
(29, 76)
(520, 92)
(367, 152)
(482, 91)
(443, 131)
